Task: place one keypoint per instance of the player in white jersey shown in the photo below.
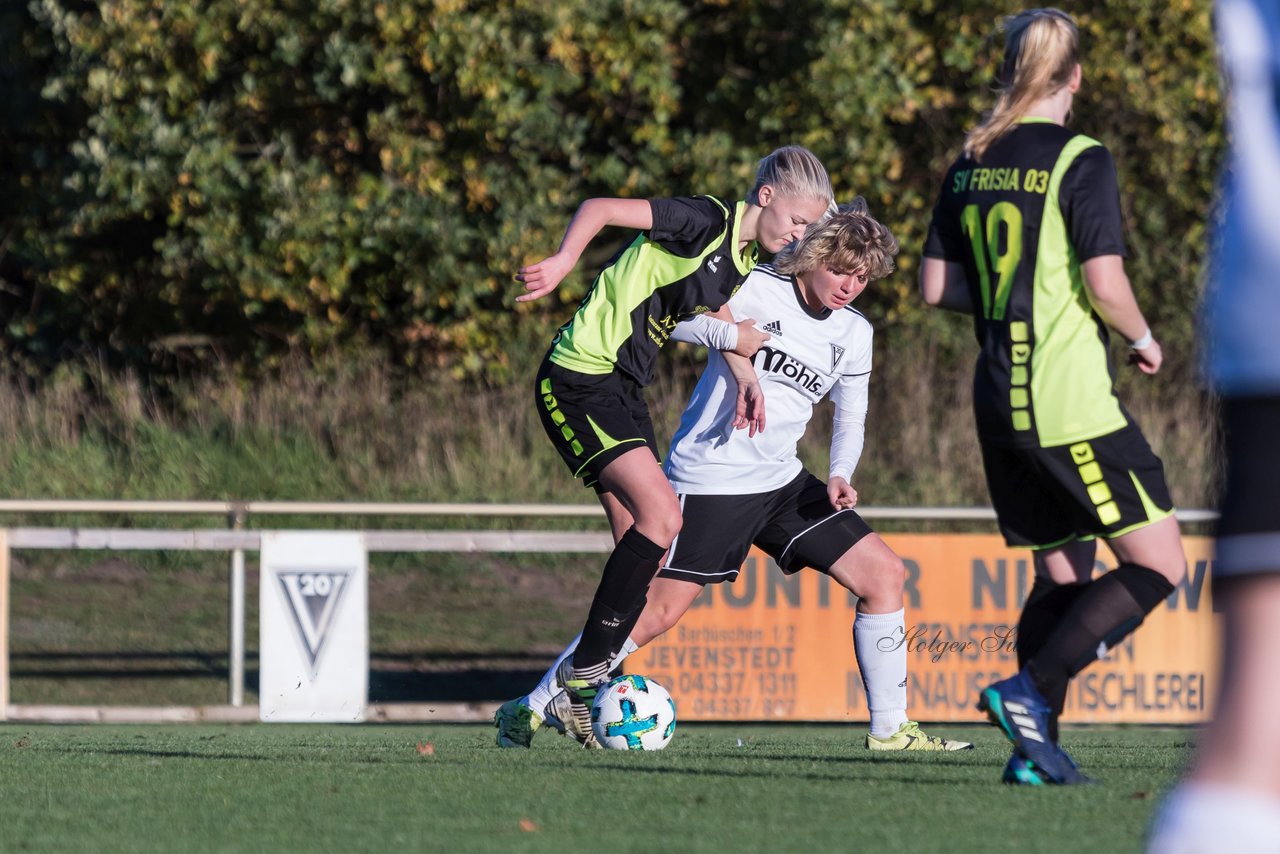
(742, 487)
(810, 354)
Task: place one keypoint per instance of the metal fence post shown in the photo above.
(235, 640)
(4, 625)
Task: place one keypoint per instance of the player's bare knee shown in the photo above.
(885, 584)
(660, 526)
(894, 573)
(667, 525)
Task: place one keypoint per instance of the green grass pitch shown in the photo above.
(717, 788)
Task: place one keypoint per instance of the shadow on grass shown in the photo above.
(825, 769)
(393, 678)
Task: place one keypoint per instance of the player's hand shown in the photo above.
(749, 412)
(542, 278)
(841, 494)
(749, 338)
(1149, 358)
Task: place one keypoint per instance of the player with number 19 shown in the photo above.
(1028, 237)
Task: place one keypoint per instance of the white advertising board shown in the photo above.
(314, 627)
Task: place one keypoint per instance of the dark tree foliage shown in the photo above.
(237, 180)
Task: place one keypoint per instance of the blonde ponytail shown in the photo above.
(1041, 51)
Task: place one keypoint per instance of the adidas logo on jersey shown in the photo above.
(712, 262)
(773, 327)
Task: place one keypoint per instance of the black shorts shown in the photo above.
(592, 419)
(795, 525)
(1103, 487)
(1248, 539)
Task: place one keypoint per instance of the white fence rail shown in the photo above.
(236, 540)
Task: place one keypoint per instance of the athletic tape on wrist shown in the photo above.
(1143, 342)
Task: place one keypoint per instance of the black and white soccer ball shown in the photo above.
(633, 713)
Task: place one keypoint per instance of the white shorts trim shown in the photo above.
(782, 557)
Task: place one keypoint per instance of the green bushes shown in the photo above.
(231, 181)
(200, 197)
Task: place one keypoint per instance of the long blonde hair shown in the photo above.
(1041, 50)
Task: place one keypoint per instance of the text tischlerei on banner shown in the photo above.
(773, 647)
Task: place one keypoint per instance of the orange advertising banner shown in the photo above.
(773, 647)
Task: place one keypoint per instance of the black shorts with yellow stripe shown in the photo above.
(592, 419)
(1103, 487)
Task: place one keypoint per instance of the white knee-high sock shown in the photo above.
(628, 647)
(882, 660)
(549, 686)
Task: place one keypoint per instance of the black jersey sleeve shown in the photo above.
(944, 240)
(686, 226)
(1090, 201)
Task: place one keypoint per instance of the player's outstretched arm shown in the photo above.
(725, 335)
(542, 277)
(1112, 298)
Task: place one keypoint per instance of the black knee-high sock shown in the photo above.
(624, 630)
(619, 598)
(1104, 613)
(1046, 604)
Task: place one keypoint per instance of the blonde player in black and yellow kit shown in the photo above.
(1027, 236)
(691, 255)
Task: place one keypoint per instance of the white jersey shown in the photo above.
(809, 355)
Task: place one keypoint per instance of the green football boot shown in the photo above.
(572, 706)
(516, 723)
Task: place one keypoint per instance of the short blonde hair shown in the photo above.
(849, 241)
(1042, 47)
(793, 171)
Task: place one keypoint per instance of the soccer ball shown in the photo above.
(633, 713)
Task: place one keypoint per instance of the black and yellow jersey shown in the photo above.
(1042, 201)
(687, 263)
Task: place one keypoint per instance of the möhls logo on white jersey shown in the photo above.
(314, 597)
(780, 363)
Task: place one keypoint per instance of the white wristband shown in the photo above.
(1143, 342)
